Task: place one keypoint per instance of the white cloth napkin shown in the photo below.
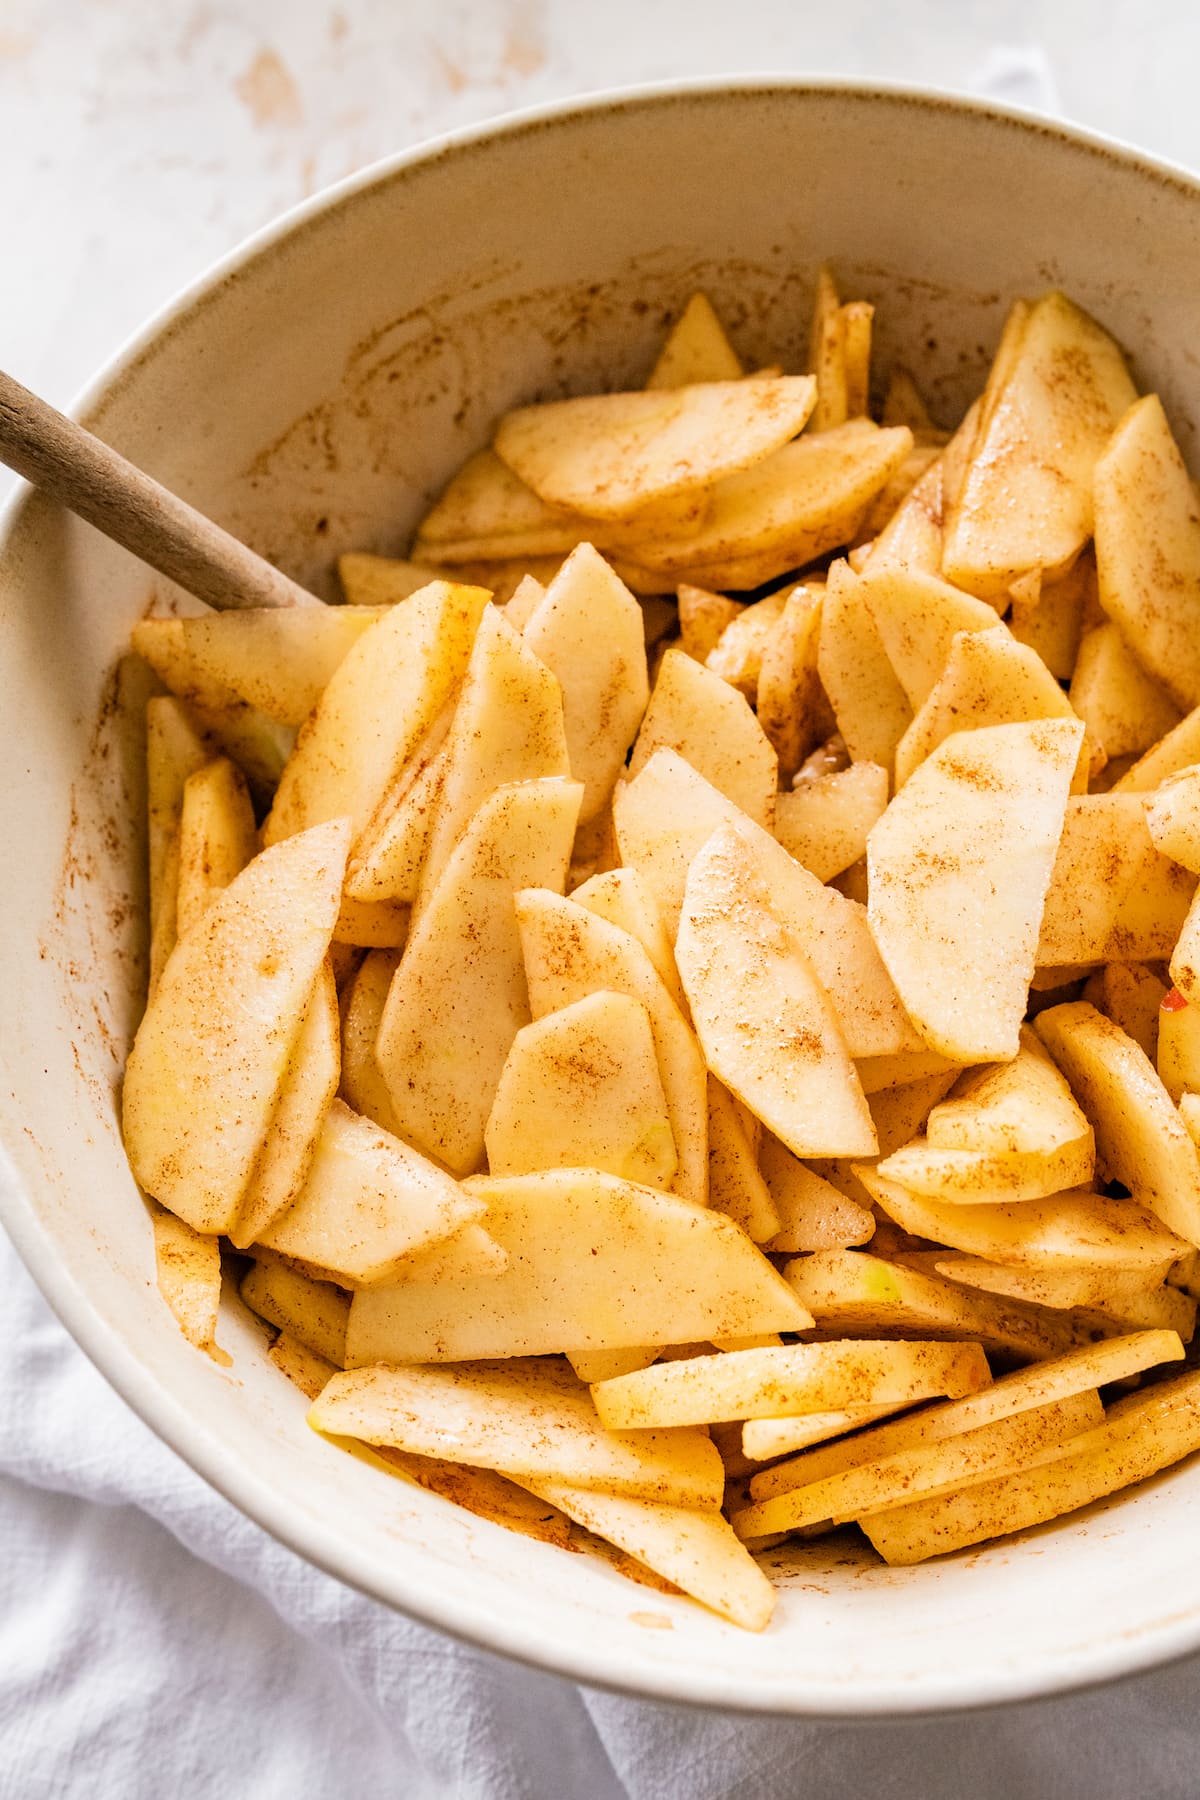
(154, 1642)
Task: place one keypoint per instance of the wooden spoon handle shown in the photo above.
(83, 474)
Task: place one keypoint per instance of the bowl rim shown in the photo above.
(413, 1594)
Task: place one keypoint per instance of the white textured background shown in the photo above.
(139, 139)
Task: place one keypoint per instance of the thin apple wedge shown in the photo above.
(787, 510)
(862, 1295)
(580, 1089)
(697, 349)
(458, 997)
(872, 709)
(824, 823)
(528, 1418)
(1139, 1134)
(1021, 1106)
(793, 1378)
(187, 1265)
(315, 1313)
(991, 1177)
(735, 1184)
(571, 952)
(961, 951)
(767, 1026)
(594, 1263)
(988, 679)
(1113, 895)
(1148, 548)
(1057, 389)
(214, 1048)
(1173, 818)
(709, 724)
(1072, 1230)
(918, 617)
(1013, 1443)
(367, 1203)
(507, 728)
(587, 629)
(308, 1090)
(217, 837)
(624, 898)
(378, 706)
(1087, 1368)
(1139, 1436)
(175, 750)
(610, 456)
(698, 1551)
(279, 659)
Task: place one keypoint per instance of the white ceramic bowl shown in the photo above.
(313, 393)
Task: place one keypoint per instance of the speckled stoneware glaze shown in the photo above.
(312, 393)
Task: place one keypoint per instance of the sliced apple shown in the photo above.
(709, 724)
(217, 837)
(1065, 1231)
(767, 1026)
(623, 898)
(580, 1089)
(735, 1184)
(187, 1265)
(918, 617)
(854, 1293)
(1173, 818)
(988, 679)
(371, 581)
(959, 866)
(315, 1313)
(308, 1090)
(595, 1263)
(368, 1202)
(791, 705)
(610, 456)
(1124, 709)
(587, 630)
(1091, 1366)
(571, 952)
(528, 1419)
(487, 513)
(703, 617)
(508, 727)
(813, 1215)
(824, 822)
(214, 1048)
(1139, 1135)
(773, 1383)
(381, 701)
(873, 711)
(696, 349)
(697, 1551)
(363, 1086)
(458, 998)
(1001, 1448)
(1057, 390)
(738, 653)
(175, 749)
(278, 659)
(1140, 1436)
(1148, 548)
(802, 501)
(992, 1177)
(1113, 895)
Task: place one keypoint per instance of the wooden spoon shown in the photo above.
(83, 474)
